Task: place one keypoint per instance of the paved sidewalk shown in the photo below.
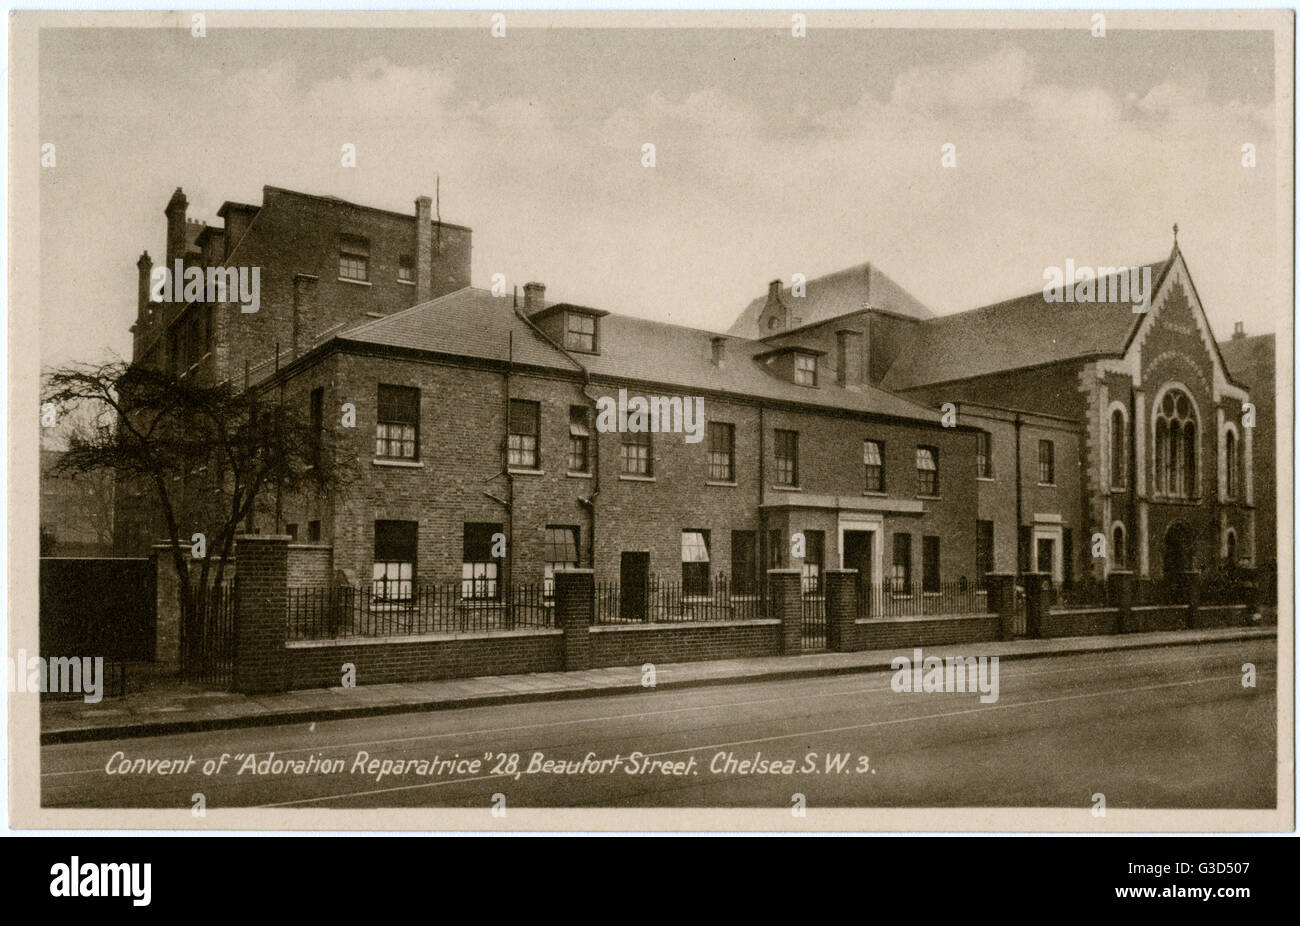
(180, 708)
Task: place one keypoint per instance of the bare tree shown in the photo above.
(207, 454)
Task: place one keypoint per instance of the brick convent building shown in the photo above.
(476, 418)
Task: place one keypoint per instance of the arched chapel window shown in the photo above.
(1176, 446)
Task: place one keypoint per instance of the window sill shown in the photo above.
(871, 493)
(1047, 485)
(719, 482)
(985, 479)
(786, 488)
(517, 471)
(400, 464)
(406, 282)
(930, 498)
(354, 282)
(576, 475)
(1118, 490)
(1176, 500)
(626, 477)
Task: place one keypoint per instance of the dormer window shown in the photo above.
(805, 370)
(580, 332)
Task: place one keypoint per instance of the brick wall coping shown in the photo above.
(263, 538)
(839, 572)
(575, 571)
(298, 545)
(1160, 607)
(425, 638)
(1104, 609)
(785, 572)
(685, 625)
(917, 618)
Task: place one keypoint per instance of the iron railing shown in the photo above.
(329, 613)
(208, 637)
(659, 600)
(919, 599)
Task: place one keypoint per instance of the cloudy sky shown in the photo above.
(774, 156)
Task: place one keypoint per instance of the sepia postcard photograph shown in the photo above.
(671, 421)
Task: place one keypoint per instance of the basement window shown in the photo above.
(394, 574)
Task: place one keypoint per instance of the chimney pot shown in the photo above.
(534, 296)
(1238, 331)
(145, 267)
(175, 213)
(719, 351)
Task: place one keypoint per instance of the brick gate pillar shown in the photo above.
(575, 606)
(842, 610)
(1002, 601)
(785, 603)
(262, 612)
(1119, 594)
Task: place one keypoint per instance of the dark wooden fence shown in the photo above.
(98, 607)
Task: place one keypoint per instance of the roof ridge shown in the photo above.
(410, 308)
(1038, 292)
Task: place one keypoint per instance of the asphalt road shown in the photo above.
(1155, 728)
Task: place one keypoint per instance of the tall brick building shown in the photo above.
(1251, 358)
(323, 265)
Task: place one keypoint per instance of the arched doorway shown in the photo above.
(1177, 552)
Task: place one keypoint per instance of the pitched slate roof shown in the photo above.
(473, 323)
(835, 294)
(467, 323)
(1022, 332)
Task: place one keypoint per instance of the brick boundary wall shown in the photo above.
(910, 632)
(1230, 615)
(685, 642)
(319, 664)
(1148, 618)
(311, 565)
(266, 661)
(1081, 622)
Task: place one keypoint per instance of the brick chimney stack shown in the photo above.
(848, 357)
(719, 351)
(423, 249)
(1238, 331)
(534, 297)
(145, 266)
(175, 213)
